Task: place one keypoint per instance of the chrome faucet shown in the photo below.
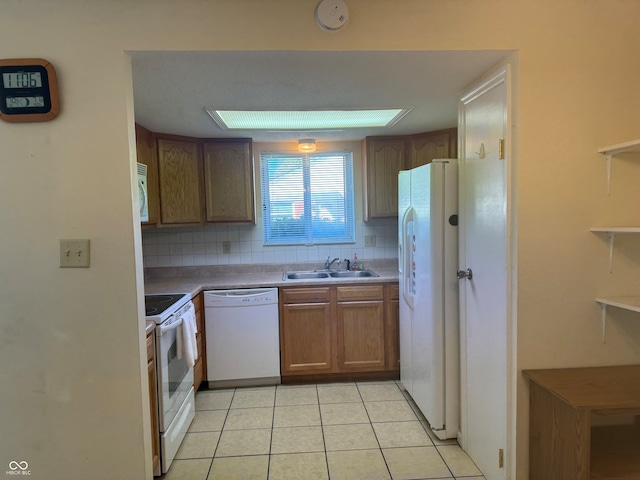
(329, 262)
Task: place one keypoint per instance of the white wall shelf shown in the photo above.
(631, 303)
(625, 302)
(628, 303)
(612, 232)
(612, 150)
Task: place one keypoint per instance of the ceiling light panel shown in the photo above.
(306, 119)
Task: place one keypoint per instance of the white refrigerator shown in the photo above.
(429, 320)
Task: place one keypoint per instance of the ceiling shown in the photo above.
(172, 89)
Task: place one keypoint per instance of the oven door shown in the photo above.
(175, 378)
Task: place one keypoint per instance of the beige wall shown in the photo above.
(71, 374)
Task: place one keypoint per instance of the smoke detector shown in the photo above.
(332, 15)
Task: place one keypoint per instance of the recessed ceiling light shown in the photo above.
(306, 119)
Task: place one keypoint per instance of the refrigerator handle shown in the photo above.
(406, 252)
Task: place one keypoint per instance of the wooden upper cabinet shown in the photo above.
(147, 154)
(383, 158)
(228, 181)
(180, 167)
(426, 147)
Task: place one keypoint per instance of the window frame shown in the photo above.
(308, 239)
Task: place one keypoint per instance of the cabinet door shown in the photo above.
(180, 180)
(428, 146)
(147, 154)
(306, 338)
(393, 328)
(361, 340)
(383, 158)
(153, 404)
(200, 368)
(228, 174)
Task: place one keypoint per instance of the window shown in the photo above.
(307, 199)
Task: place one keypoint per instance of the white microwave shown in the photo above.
(142, 192)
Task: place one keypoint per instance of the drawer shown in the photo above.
(360, 292)
(151, 347)
(394, 292)
(305, 295)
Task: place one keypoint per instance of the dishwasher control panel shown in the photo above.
(240, 297)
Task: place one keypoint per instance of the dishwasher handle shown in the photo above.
(245, 292)
(240, 297)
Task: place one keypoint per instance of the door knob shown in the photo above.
(465, 274)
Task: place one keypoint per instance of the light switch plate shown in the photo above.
(74, 253)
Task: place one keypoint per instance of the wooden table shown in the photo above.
(563, 444)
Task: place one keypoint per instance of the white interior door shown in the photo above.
(484, 298)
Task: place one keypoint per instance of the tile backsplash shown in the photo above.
(208, 245)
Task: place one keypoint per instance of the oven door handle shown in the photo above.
(170, 325)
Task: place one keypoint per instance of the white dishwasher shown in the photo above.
(243, 339)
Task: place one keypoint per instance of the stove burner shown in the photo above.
(158, 304)
(159, 298)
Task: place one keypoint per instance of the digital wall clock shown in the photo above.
(28, 90)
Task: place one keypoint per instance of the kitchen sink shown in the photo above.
(353, 274)
(304, 275)
(327, 275)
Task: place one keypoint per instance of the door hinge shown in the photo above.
(501, 149)
(501, 458)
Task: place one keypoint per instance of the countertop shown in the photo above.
(193, 280)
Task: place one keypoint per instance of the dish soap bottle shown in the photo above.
(355, 265)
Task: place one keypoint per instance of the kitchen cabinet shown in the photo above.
(360, 328)
(200, 367)
(153, 403)
(305, 330)
(425, 147)
(631, 302)
(565, 439)
(228, 181)
(336, 331)
(180, 182)
(382, 159)
(193, 181)
(146, 153)
(392, 301)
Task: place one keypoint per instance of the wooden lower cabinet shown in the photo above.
(573, 430)
(307, 340)
(200, 367)
(361, 336)
(153, 403)
(360, 328)
(392, 304)
(336, 330)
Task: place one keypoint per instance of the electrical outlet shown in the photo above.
(226, 247)
(74, 253)
(369, 240)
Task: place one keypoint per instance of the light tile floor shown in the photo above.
(340, 431)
